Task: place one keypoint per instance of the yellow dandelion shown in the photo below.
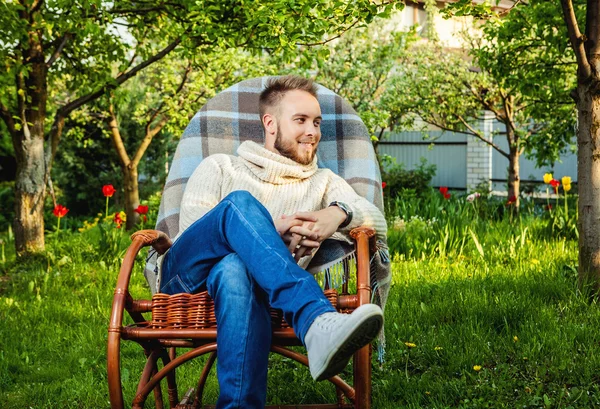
(535, 261)
(477, 368)
(438, 348)
(410, 344)
(548, 177)
(427, 393)
(515, 339)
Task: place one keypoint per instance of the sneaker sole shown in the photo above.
(362, 335)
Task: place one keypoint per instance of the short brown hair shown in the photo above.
(277, 87)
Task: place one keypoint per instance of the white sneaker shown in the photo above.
(333, 338)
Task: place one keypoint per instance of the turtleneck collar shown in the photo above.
(273, 167)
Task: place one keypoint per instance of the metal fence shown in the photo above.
(448, 152)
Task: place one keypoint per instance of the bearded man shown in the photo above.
(248, 226)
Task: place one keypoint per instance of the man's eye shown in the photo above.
(301, 120)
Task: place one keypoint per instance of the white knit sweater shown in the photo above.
(282, 185)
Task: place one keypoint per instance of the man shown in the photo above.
(247, 224)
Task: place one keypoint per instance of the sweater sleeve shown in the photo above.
(364, 213)
(202, 192)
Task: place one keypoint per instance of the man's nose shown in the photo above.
(311, 129)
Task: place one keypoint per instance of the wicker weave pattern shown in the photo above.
(197, 311)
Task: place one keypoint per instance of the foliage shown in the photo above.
(60, 56)
(400, 181)
(522, 81)
(515, 311)
(357, 67)
(7, 204)
(85, 163)
(433, 226)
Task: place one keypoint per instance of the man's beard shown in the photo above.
(290, 150)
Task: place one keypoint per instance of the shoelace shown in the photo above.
(328, 321)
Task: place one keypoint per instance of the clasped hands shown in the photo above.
(303, 232)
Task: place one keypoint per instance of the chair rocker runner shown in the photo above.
(178, 328)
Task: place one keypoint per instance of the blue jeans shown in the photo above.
(236, 253)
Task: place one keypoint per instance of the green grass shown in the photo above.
(467, 290)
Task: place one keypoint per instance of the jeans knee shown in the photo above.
(241, 198)
(229, 277)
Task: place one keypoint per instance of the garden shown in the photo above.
(484, 310)
(494, 294)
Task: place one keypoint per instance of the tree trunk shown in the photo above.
(29, 194)
(28, 143)
(132, 195)
(514, 179)
(588, 182)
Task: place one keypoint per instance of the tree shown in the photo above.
(586, 46)
(168, 94)
(521, 81)
(94, 47)
(357, 67)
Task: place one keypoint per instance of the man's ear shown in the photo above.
(270, 124)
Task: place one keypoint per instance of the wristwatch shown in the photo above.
(346, 210)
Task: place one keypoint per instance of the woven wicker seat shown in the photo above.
(178, 328)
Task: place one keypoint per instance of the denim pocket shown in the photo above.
(174, 286)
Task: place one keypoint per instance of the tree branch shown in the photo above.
(8, 120)
(65, 110)
(481, 137)
(577, 40)
(71, 106)
(151, 131)
(37, 4)
(332, 38)
(592, 32)
(115, 136)
(58, 50)
(508, 111)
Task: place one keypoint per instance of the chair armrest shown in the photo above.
(155, 238)
(363, 236)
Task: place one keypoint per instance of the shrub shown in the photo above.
(398, 179)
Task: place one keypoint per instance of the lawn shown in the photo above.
(484, 311)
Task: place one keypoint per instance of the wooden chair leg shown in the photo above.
(362, 378)
(340, 396)
(114, 369)
(203, 377)
(171, 378)
(158, 398)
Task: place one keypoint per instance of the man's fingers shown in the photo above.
(301, 252)
(294, 244)
(310, 243)
(304, 231)
(306, 216)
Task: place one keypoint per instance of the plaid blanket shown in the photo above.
(231, 117)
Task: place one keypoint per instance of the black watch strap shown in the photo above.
(346, 210)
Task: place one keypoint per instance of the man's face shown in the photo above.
(298, 127)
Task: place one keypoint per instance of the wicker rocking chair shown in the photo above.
(187, 321)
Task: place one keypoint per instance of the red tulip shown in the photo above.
(555, 184)
(108, 190)
(60, 211)
(444, 192)
(141, 209)
(511, 200)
